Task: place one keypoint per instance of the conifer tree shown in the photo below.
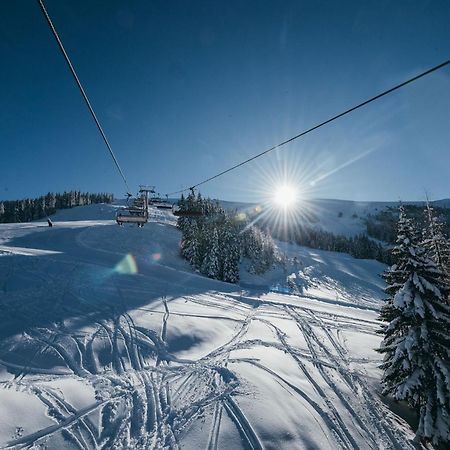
(219, 240)
(435, 241)
(210, 265)
(416, 344)
(182, 221)
(39, 208)
(50, 202)
(396, 275)
(190, 244)
(230, 254)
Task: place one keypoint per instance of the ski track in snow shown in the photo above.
(166, 359)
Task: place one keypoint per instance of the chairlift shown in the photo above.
(164, 205)
(177, 211)
(187, 211)
(159, 203)
(138, 212)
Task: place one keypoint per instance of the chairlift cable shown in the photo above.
(83, 93)
(315, 127)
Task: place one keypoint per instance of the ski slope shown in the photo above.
(108, 339)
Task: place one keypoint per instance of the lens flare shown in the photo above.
(285, 196)
(156, 257)
(127, 265)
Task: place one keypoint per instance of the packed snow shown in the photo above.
(109, 339)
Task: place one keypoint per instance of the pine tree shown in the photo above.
(210, 265)
(182, 221)
(50, 201)
(72, 199)
(230, 254)
(396, 275)
(39, 208)
(190, 245)
(220, 240)
(435, 241)
(416, 344)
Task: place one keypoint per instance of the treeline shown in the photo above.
(360, 246)
(416, 331)
(215, 241)
(383, 225)
(29, 209)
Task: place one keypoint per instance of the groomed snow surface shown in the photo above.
(108, 339)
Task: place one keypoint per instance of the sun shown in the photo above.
(285, 196)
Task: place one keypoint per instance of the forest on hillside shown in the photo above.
(376, 243)
(383, 225)
(416, 322)
(28, 209)
(215, 241)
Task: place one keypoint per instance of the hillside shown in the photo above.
(340, 217)
(108, 339)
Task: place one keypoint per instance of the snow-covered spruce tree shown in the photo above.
(416, 344)
(269, 252)
(436, 242)
(210, 264)
(190, 244)
(259, 248)
(230, 252)
(396, 275)
(184, 222)
(214, 242)
(251, 242)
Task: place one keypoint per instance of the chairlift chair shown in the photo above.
(136, 213)
(159, 203)
(177, 211)
(163, 204)
(139, 220)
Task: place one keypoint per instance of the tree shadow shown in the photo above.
(86, 284)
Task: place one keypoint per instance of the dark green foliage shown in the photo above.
(259, 248)
(211, 265)
(359, 246)
(28, 209)
(416, 344)
(396, 275)
(214, 242)
(435, 241)
(382, 226)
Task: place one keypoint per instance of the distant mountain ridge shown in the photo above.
(341, 217)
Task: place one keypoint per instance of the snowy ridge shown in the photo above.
(108, 339)
(340, 217)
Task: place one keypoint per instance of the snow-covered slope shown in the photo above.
(108, 339)
(341, 217)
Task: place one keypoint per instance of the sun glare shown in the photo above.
(285, 196)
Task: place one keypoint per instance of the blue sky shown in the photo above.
(184, 89)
